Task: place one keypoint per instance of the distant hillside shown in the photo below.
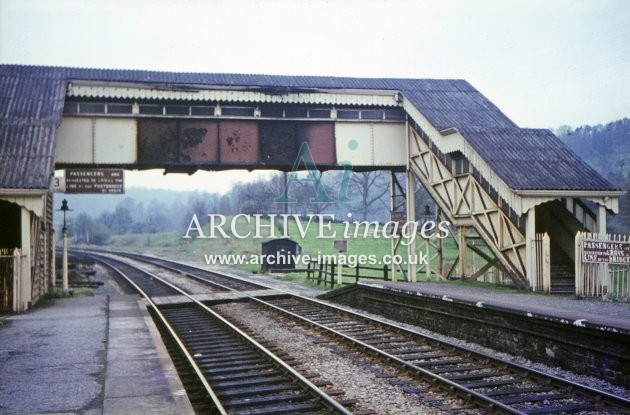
(605, 147)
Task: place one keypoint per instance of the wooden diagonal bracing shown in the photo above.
(467, 203)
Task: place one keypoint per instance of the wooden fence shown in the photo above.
(328, 273)
(540, 277)
(602, 265)
(9, 279)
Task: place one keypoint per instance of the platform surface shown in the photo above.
(88, 355)
(585, 312)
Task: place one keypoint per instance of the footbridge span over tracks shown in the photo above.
(490, 178)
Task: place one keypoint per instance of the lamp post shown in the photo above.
(64, 264)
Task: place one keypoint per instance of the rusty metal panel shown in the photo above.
(198, 141)
(390, 144)
(115, 141)
(280, 142)
(238, 142)
(74, 141)
(321, 141)
(157, 141)
(354, 144)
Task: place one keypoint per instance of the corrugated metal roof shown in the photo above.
(30, 111)
(33, 96)
(534, 159)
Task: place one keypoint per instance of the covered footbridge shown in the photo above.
(493, 180)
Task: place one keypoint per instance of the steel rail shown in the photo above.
(515, 367)
(467, 394)
(489, 403)
(323, 397)
(180, 344)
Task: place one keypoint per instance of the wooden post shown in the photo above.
(546, 263)
(411, 217)
(463, 252)
(25, 261)
(601, 220)
(17, 267)
(332, 275)
(339, 273)
(530, 235)
(319, 274)
(578, 264)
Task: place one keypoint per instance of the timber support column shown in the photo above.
(601, 220)
(392, 209)
(530, 235)
(601, 228)
(411, 217)
(463, 252)
(24, 294)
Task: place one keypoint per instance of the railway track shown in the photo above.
(495, 385)
(237, 375)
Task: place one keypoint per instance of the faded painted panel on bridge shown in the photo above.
(157, 141)
(198, 141)
(353, 142)
(114, 141)
(238, 142)
(280, 142)
(321, 141)
(390, 144)
(74, 141)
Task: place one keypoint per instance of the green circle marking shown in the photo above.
(353, 144)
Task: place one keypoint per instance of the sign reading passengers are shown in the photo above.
(95, 181)
(606, 252)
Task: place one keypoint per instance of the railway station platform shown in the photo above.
(566, 309)
(588, 336)
(91, 355)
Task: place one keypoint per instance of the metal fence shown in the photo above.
(602, 265)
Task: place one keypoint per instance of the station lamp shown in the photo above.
(64, 208)
(64, 267)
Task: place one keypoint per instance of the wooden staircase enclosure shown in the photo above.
(468, 200)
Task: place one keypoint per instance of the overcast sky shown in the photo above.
(544, 63)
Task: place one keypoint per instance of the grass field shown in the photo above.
(174, 246)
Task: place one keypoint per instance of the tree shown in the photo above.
(122, 220)
(82, 227)
(368, 188)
